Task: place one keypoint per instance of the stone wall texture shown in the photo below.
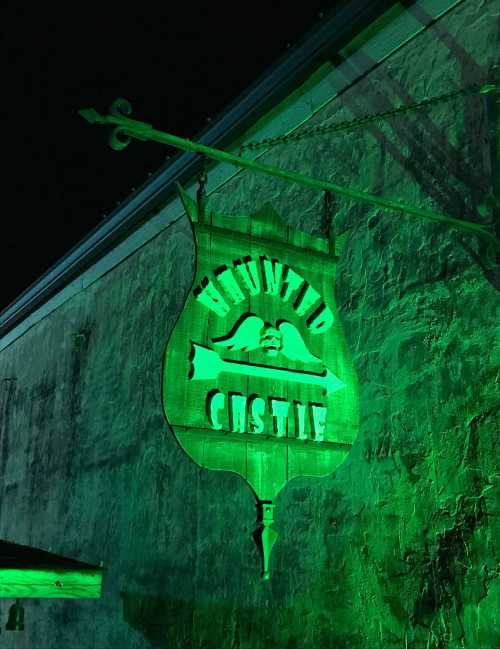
(400, 548)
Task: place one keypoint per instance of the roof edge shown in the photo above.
(317, 46)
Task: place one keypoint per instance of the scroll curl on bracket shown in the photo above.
(118, 138)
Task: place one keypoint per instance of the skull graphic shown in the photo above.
(271, 340)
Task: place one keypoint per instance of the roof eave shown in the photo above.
(318, 46)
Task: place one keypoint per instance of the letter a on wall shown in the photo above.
(257, 378)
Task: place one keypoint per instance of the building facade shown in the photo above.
(399, 546)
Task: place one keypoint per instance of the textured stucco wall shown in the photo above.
(400, 548)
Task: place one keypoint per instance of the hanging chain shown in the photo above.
(201, 192)
(327, 227)
(347, 125)
(326, 220)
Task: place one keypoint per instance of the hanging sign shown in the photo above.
(257, 377)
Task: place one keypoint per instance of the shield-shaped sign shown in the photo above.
(257, 377)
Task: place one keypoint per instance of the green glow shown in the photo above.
(257, 377)
(292, 281)
(237, 410)
(320, 320)
(230, 286)
(215, 403)
(250, 333)
(319, 421)
(273, 275)
(249, 274)
(257, 410)
(40, 582)
(279, 410)
(268, 537)
(279, 279)
(241, 414)
(207, 364)
(300, 416)
(307, 299)
(212, 298)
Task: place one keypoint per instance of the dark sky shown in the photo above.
(178, 66)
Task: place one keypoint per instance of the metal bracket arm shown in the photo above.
(131, 128)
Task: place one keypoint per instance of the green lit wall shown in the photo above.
(400, 547)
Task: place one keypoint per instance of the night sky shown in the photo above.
(178, 67)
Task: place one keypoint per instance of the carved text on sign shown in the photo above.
(249, 333)
(243, 414)
(230, 286)
(257, 375)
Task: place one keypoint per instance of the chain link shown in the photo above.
(367, 119)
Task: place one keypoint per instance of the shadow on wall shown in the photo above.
(158, 618)
(175, 624)
(455, 177)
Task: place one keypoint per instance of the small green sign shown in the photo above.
(257, 376)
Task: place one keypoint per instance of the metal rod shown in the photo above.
(132, 128)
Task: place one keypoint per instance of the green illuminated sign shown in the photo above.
(257, 376)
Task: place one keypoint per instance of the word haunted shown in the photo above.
(250, 277)
(241, 414)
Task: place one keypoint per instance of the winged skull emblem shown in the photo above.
(251, 332)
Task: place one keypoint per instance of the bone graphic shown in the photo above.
(207, 364)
